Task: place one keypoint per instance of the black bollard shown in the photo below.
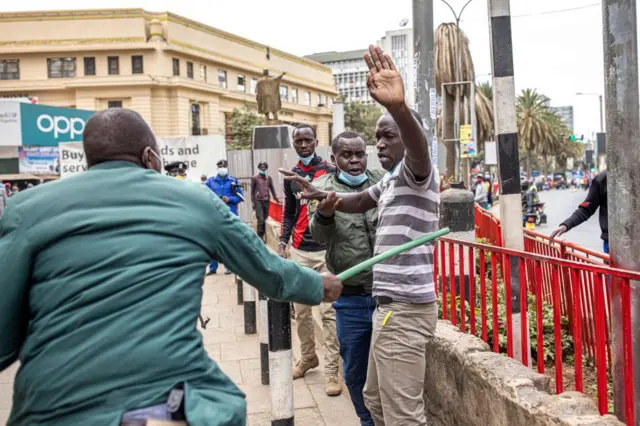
(239, 284)
(280, 363)
(263, 314)
(249, 294)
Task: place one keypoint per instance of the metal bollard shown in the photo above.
(263, 314)
(280, 363)
(239, 284)
(249, 294)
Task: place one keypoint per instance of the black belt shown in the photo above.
(383, 300)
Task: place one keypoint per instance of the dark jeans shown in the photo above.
(605, 247)
(262, 214)
(354, 327)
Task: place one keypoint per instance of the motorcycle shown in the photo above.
(534, 216)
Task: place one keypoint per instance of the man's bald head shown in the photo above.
(118, 134)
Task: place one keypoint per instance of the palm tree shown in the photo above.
(445, 72)
(533, 128)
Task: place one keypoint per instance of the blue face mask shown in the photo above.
(306, 160)
(351, 180)
(262, 172)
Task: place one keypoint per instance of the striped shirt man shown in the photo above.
(407, 209)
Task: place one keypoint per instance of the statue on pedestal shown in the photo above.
(268, 95)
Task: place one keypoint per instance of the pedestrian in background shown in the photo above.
(261, 189)
(3, 198)
(481, 192)
(230, 192)
(350, 239)
(306, 251)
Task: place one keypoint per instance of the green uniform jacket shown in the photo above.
(101, 286)
(349, 237)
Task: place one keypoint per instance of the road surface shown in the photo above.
(559, 205)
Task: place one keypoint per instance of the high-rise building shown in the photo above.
(350, 70)
(566, 115)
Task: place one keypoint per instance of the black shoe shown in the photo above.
(211, 273)
(228, 272)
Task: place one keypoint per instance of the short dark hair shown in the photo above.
(344, 135)
(305, 126)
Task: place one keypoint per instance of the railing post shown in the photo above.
(280, 363)
(263, 309)
(567, 289)
(249, 295)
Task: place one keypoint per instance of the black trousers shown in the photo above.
(262, 213)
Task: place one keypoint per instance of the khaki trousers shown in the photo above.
(394, 389)
(304, 318)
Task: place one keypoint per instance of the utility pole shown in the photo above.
(506, 129)
(623, 177)
(426, 100)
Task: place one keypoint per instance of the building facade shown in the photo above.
(350, 70)
(183, 77)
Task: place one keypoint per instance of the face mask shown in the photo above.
(223, 171)
(352, 180)
(262, 172)
(306, 160)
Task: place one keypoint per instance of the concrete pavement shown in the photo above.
(238, 355)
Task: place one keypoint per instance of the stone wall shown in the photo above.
(467, 384)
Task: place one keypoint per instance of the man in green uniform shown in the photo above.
(103, 284)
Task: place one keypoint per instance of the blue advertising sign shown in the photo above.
(39, 160)
(44, 125)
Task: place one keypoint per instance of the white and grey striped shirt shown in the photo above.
(407, 209)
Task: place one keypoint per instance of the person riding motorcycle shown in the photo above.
(529, 197)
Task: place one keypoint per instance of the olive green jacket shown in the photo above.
(350, 237)
(101, 284)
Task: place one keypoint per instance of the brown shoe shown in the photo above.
(304, 365)
(332, 386)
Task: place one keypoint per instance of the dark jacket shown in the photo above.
(295, 219)
(255, 187)
(349, 237)
(597, 197)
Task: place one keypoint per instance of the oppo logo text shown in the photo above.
(61, 126)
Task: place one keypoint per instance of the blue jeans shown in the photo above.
(354, 327)
(213, 266)
(605, 247)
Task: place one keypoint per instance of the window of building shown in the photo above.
(176, 66)
(203, 72)
(241, 83)
(307, 98)
(189, 69)
(319, 100)
(89, 66)
(254, 84)
(114, 104)
(222, 79)
(294, 95)
(284, 93)
(113, 63)
(61, 67)
(137, 65)
(10, 69)
(195, 119)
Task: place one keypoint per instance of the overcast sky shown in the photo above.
(559, 53)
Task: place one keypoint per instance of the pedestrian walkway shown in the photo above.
(238, 355)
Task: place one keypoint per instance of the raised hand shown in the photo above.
(384, 80)
(309, 192)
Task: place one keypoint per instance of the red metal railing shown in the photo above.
(488, 227)
(481, 309)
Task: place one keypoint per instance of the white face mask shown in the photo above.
(223, 171)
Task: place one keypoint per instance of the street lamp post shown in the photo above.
(456, 114)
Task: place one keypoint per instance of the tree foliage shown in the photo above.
(362, 118)
(242, 124)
